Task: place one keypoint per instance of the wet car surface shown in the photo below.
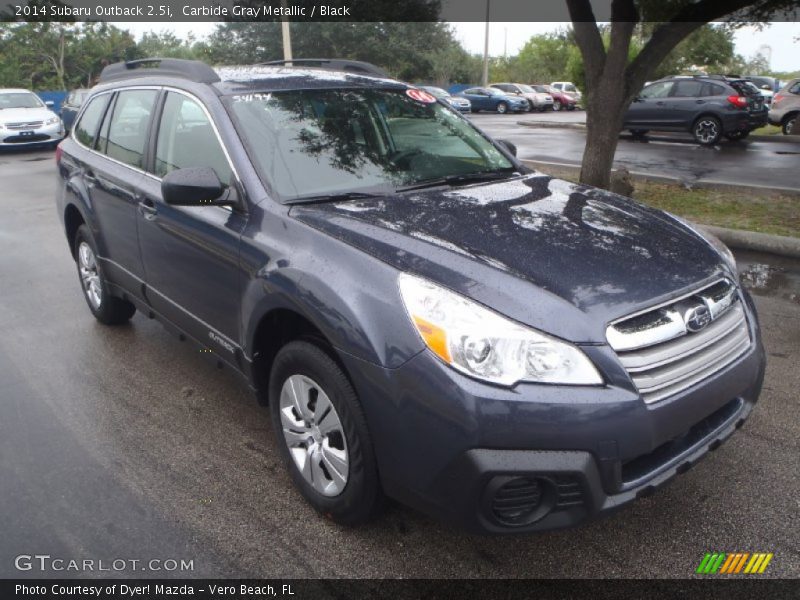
(125, 442)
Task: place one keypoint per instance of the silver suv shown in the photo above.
(786, 107)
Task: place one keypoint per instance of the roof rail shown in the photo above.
(194, 70)
(333, 64)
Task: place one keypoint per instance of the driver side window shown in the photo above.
(657, 90)
(186, 138)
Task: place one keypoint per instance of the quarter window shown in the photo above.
(186, 138)
(127, 130)
(86, 129)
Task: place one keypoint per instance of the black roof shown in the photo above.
(273, 76)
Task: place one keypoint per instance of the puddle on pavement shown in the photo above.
(768, 275)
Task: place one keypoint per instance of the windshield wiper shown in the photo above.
(463, 179)
(332, 197)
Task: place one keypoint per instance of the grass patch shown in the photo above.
(766, 212)
(768, 130)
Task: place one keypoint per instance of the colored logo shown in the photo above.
(733, 563)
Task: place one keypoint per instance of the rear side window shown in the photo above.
(86, 129)
(127, 130)
(186, 138)
(712, 89)
(687, 89)
(795, 89)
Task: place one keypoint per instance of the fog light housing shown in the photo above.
(516, 501)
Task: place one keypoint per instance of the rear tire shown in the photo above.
(707, 130)
(638, 132)
(502, 108)
(106, 308)
(322, 434)
(790, 125)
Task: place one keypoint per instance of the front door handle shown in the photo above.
(148, 209)
(699, 101)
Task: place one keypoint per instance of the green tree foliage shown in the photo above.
(710, 49)
(42, 56)
(168, 45)
(410, 51)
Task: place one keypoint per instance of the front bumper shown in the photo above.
(26, 137)
(445, 443)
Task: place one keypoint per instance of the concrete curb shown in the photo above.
(737, 239)
(758, 242)
(709, 184)
(781, 139)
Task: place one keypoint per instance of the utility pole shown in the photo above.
(286, 34)
(485, 79)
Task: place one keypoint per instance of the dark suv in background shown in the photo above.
(426, 317)
(708, 107)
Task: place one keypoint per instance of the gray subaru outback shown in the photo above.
(427, 318)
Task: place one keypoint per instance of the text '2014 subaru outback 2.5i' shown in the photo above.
(427, 318)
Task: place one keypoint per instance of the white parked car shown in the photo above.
(26, 120)
(536, 100)
(568, 88)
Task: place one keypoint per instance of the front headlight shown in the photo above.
(713, 241)
(51, 121)
(484, 345)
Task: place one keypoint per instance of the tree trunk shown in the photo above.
(604, 121)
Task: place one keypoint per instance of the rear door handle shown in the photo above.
(700, 101)
(148, 209)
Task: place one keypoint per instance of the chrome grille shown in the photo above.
(28, 125)
(661, 353)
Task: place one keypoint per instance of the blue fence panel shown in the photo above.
(57, 98)
(459, 87)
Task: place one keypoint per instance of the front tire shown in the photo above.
(707, 130)
(502, 108)
(322, 434)
(106, 308)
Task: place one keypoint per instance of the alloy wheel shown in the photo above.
(90, 278)
(314, 435)
(706, 131)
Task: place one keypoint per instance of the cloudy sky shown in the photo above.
(783, 39)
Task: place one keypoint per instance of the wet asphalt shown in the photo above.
(747, 162)
(124, 443)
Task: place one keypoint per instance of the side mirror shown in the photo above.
(194, 186)
(49, 103)
(512, 149)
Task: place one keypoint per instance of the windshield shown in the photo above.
(526, 88)
(570, 88)
(19, 100)
(324, 142)
(542, 89)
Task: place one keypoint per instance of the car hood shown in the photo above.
(21, 115)
(591, 253)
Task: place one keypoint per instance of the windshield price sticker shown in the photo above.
(420, 96)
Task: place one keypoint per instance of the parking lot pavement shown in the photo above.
(747, 162)
(124, 443)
